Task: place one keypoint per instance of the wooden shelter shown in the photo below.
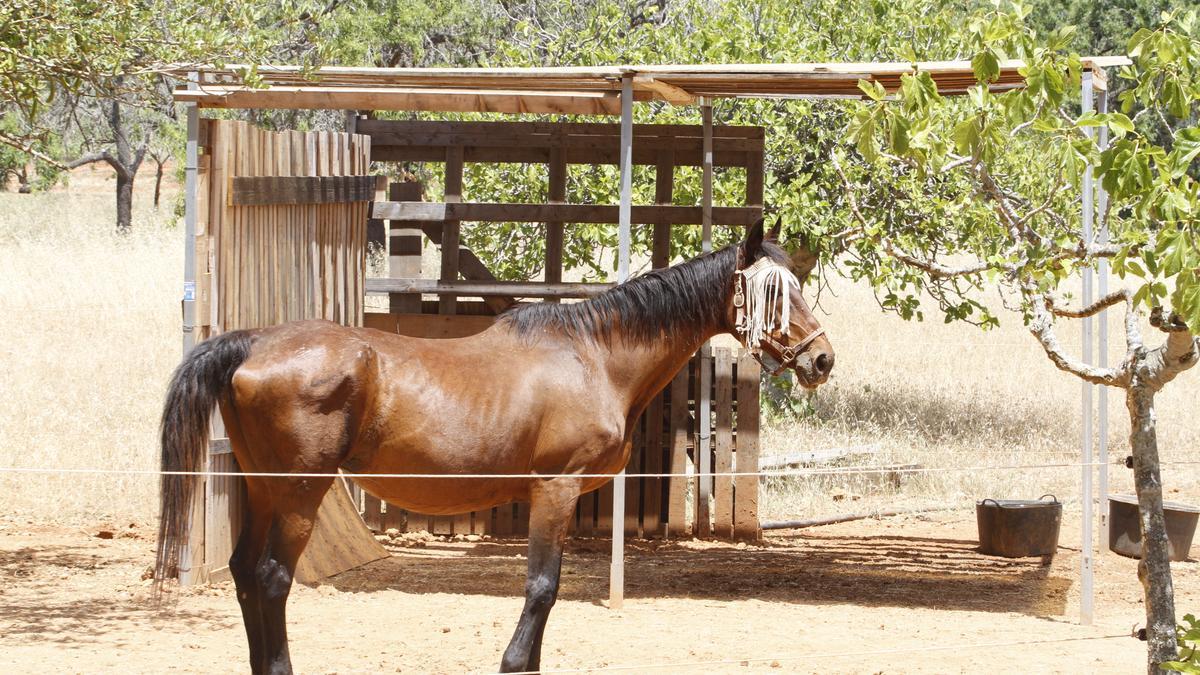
(269, 218)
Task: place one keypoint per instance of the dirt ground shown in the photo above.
(904, 594)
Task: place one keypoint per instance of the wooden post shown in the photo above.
(554, 229)
(677, 496)
(723, 485)
(450, 229)
(745, 488)
(404, 254)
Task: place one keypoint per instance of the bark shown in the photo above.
(1154, 570)
(1150, 371)
(158, 176)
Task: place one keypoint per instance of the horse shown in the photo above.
(549, 394)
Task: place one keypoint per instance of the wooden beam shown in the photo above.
(664, 192)
(567, 213)
(668, 92)
(521, 289)
(399, 98)
(267, 190)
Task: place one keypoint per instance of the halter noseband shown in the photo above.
(759, 322)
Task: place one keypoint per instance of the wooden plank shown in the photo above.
(544, 133)
(746, 488)
(521, 520)
(652, 462)
(340, 541)
(754, 179)
(525, 289)
(604, 510)
(440, 100)
(434, 326)
(266, 190)
(587, 515)
(504, 520)
(450, 226)
(633, 486)
(664, 191)
(723, 445)
(642, 156)
(680, 431)
(569, 213)
(471, 268)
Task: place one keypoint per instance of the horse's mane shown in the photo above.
(678, 302)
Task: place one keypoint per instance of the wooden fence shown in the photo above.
(280, 236)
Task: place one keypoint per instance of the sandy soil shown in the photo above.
(906, 594)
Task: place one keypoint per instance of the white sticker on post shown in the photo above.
(189, 291)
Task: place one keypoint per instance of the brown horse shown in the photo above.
(549, 389)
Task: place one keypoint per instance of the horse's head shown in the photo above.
(770, 316)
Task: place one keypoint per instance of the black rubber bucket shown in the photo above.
(1019, 528)
(1125, 532)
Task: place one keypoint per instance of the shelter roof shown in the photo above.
(576, 90)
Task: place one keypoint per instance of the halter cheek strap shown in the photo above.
(760, 294)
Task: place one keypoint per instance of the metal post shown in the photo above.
(1102, 346)
(704, 395)
(616, 576)
(191, 165)
(1086, 546)
(190, 168)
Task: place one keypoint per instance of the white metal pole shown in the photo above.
(1086, 546)
(1102, 347)
(704, 454)
(191, 165)
(616, 577)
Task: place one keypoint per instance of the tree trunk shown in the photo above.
(1154, 570)
(124, 202)
(158, 176)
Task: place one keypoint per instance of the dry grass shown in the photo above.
(89, 333)
(942, 395)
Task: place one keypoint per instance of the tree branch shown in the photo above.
(21, 146)
(1042, 328)
(1092, 309)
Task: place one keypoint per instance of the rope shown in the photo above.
(824, 655)
(832, 471)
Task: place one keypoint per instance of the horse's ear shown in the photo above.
(773, 235)
(750, 249)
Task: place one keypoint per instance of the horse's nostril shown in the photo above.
(823, 363)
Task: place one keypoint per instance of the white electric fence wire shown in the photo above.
(965, 648)
(832, 471)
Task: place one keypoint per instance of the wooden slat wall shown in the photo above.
(264, 264)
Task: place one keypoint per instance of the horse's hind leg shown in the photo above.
(250, 547)
(291, 527)
(551, 504)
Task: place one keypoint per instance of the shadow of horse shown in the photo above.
(876, 570)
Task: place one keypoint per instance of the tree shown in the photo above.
(950, 196)
(102, 65)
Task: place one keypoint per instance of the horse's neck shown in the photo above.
(639, 371)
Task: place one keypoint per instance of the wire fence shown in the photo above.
(781, 473)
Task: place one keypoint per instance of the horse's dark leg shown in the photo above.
(242, 564)
(289, 533)
(551, 504)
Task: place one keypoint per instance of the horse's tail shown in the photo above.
(198, 383)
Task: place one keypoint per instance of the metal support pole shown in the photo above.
(190, 168)
(704, 395)
(1086, 546)
(616, 576)
(1102, 346)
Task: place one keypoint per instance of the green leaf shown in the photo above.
(873, 89)
(986, 66)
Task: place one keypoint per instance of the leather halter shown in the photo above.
(785, 355)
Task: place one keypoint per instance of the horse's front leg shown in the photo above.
(551, 504)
